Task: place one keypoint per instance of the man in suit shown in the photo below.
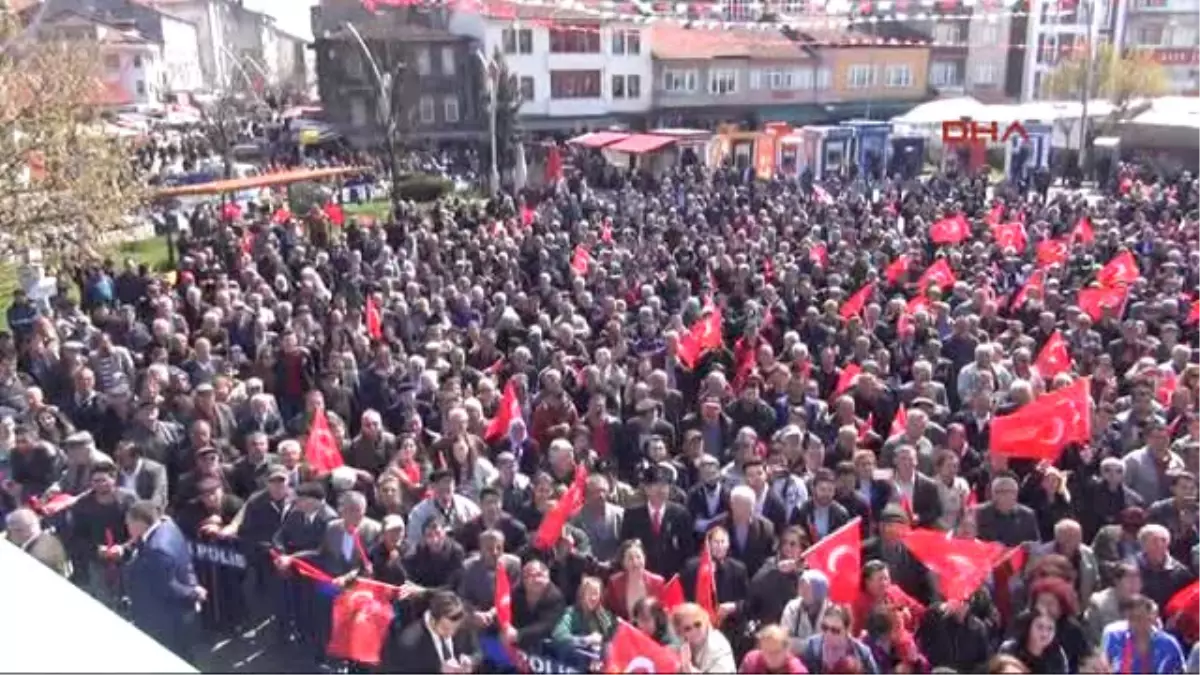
(1004, 520)
(143, 476)
(437, 643)
(878, 493)
(664, 527)
(600, 519)
(639, 430)
(303, 529)
(917, 493)
(822, 515)
(164, 596)
(346, 540)
(25, 530)
(767, 504)
(751, 537)
(709, 499)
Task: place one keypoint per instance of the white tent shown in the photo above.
(39, 604)
(936, 112)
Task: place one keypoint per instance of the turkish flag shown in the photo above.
(672, 594)
(231, 211)
(1054, 357)
(895, 270)
(855, 303)
(1052, 252)
(995, 214)
(960, 565)
(938, 273)
(846, 378)
(508, 410)
(951, 230)
(703, 335)
(281, 215)
(1082, 232)
(321, 449)
(706, 584)
(899, 422)
(819, 255)
(1040, 430)
(632, 651)
(374, 319)
(1010, 235)
(839, 556)
(361, 617)
(335, 213)
(1186, 599)
(1122, 269)
(502, 596)
(556, 518)
(1095, 300)
(581, 261)
(1036, 282)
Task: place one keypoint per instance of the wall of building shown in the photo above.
(181, 55)
(888, 65)
(799, 81)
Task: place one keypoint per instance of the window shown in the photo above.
(824, 78)
(943, 74)
(722, 81)
(575, 40)
(358, 111)
(756, 79)
(1184, 36)
(860, 77)
(781, 80)
(425, 110)
(988, 34)
(137, 60)
(626, 42)
(448, 61)
(574, 84)
(679, 81)
(112, 61)
(739, 9)
(792, 7)
(423, 62)
(140, 87)
(1150, 35)
(899, 77)
(517, 41)
(947, 33)
(985, 73)
(527, 91)
(626, 86)
(450, 109)
(802, 78)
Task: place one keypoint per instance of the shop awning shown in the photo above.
(599, 139)
(639, 144)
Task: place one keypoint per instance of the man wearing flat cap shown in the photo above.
(663, 526)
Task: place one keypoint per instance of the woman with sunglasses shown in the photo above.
(833, 650)
(704, 649)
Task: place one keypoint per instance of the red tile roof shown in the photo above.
(678, 42)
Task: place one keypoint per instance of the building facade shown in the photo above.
(441, 81)
(1168, 30)
(576, 70)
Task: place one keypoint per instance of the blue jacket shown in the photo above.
(159, 580)
(1165, 654)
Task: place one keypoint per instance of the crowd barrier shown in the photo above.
(222, 567)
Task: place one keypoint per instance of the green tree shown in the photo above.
(508, 111)
(1121, 78)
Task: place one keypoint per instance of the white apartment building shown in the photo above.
(132, 69)
(1170, 31)
(577, 71)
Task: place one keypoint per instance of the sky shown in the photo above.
(290, 15)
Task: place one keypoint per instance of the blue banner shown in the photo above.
(502, 657)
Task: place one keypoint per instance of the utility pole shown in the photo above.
(1088, 8)
(388, 107)
(489, 79)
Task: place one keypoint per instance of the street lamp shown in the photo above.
(1088, 9)
(387, 105)
(489, 79)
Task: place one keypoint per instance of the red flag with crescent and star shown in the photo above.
(705, 334)
(938, 273)
(321, 449)
(374, 319)
(1095, 300)
(1036, 282)
(1054, 357)
(1083, 231)
(846, 378)
(361, 617)
(960, 565)
(706, 584)
(549, 532)
(855, 303)
(508, 410)
(951, 230)
(632, 651)
(1122, 269)
(895, 270)
(1040, 430)
(502, 597)
(839, 556)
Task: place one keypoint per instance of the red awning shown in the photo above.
(639, 144)
(599, 139)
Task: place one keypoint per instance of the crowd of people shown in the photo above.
(476, 365)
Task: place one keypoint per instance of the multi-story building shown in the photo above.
(441, 79)
(1056, 29)
(1168, 30)
(754, 75)
(132, 65)
(577, 69)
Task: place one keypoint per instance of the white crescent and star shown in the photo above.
(836, 555)
(640, 664)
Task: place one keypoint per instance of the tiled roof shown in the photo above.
(678, 42)
(586, 10)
